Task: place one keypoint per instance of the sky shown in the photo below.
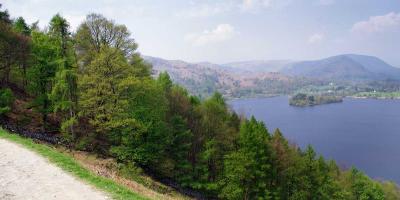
(222, 31)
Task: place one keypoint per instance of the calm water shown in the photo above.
(358, 132)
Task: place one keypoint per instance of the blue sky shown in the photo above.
(234, 30)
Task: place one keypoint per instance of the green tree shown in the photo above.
(4, 16)
(6, 100)
(363, 188)
(391, 190)
(14, 51)
(59, 29)
(215, 139)
(148, 106)
(96, 32)
(177, 151)
(41, 74)
(20, 26)
(286, 162)
(64, 93)
(248, 170)
(103, 98)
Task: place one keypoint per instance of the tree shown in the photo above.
(23, 45)
(4, 16)
(177, 151)
(286, 161)
(391, 190)
(41, 74)
(6, 100)
(64, 94)
(14, 51)
(247, 173)
(363, 188)
(20, 26)
(59, 29)
(216, 139)
(122, 111)
(103, 98)
(97, 32)
(105, 49)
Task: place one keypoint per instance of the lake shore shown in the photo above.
(366, 127)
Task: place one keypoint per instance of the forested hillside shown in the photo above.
(203, 79)
(348, 67)
(343, 75)
(93, 88)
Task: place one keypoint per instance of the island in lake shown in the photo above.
(302, 100)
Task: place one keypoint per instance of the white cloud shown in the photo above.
(205, 10)
(326, 2)
(222, 32)
(220, 7)
(253, 4)
(380, 23)
(256, 5)
(316, 38)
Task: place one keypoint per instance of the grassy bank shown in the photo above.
(378, 95)
(67, 163)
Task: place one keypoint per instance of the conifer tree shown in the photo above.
(248, 170)
(64, 94)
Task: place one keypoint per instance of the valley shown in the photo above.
(343, 75)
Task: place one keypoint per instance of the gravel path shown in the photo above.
(24, 175)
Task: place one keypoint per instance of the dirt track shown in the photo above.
(24, 175)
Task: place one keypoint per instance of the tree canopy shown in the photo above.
(101, 96)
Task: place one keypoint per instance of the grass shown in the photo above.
(68, 164)
(388, 95)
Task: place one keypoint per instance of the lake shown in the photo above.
(364, 133)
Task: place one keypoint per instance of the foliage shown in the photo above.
(14, 48)
(40, 75)
(248, 170)
(302, 99)
(20, 26)
(64, 94)
(103, 94)
(104, 99)
(6, 100)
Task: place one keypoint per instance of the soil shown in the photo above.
(26, 175)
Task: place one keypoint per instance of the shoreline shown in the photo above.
(344, 97)
(376, 98)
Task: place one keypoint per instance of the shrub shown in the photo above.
(6, 100)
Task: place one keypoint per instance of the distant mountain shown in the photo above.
(206, 78)
(259, 65)
(342, 74)
(199, 78)
(348, 67)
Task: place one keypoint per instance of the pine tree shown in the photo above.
(247, 173)
(64, 92)
(20, 26)
(42, 72)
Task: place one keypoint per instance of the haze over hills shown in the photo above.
(265, 78)
(344, 67)
(258, 65)
(206, 78)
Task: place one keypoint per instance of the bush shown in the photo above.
(6, 100)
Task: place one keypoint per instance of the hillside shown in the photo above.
(258, 65)
(347, 67)
(350, 74)
(205, 78)
(91, 91)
